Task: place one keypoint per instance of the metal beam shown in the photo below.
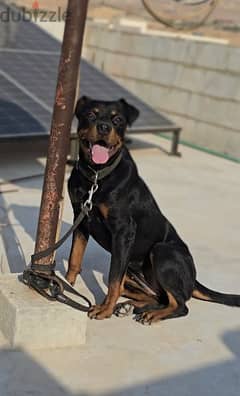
(61, 127)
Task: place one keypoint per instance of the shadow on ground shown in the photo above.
(20, 375)
(95, 260)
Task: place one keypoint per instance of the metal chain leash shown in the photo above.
(49, 285)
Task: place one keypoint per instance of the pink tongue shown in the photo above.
(100, 154)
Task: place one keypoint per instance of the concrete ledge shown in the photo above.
(27, 320)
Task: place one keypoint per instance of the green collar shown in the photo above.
(90, 173)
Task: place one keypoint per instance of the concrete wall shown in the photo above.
(196, 82)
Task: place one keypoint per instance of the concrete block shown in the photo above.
(221, 85)
(232, 146)
(110, 40)
(137, 44)
(170, 99)
(207, 135)
(234, 115)
(138, 68)
(93, 35)
(190, 79)
(171, 49)
(114, 64)
(163, 73)
(210, 110)
(130, 67)
(233, 60)
(27, 320)
(198, 107)
(208, 55)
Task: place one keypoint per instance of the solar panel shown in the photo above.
(20, 35)
(29, 60)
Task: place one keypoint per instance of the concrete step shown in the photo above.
(27, 320)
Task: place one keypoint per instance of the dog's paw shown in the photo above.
(146, 318)
(123, 309)
(100, 312)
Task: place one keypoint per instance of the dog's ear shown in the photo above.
(131, 113)
(81, 103)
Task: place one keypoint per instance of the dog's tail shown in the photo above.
(203, 293)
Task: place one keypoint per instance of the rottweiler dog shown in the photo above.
(150, 264)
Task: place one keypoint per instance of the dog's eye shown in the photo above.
(117, 120)
(91, 116)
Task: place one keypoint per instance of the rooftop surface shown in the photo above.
(196, 355)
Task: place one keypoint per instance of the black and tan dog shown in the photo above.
(150, 264)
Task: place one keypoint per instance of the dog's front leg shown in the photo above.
(123, 237)
(79, 243)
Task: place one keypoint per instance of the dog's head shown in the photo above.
(101, 127)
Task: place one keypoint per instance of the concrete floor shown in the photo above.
(196, 355)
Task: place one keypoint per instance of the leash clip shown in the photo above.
(88, 204)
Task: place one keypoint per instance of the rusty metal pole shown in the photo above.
(61, 127)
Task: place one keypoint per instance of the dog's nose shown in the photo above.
(103, 128)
